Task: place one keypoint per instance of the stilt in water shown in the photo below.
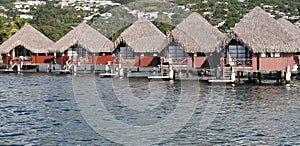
(18, 67)
(50, 66)
(218, 72)
(92, 68)
(259, 77)
(38, 68)
(75, 68)
(171, 74)
(249, 77)
(288, 75)
(281, 76)
(239, 77)
(278, 74)
(232, 77)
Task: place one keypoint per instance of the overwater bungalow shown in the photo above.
(294, 30)
(26, 47)
(258, 43)
(140, 44)
(83, 45)
(196, 40)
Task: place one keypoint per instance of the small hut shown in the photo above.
(258, 42)
(140, 44)
(198, 38)
(26, 47)
(293, 30)
(83, 45)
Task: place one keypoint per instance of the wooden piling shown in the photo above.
(288, 75)
(278, 74)
(259, 77)
(249, 77)
(239, 77)
(18, 67)
(38, 68)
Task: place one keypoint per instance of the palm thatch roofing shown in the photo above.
(28, 37)
(292, 29)
(261, 33)
(196, 34)
(143, 36)
(86, 37)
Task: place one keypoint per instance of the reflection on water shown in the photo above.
(41, 109)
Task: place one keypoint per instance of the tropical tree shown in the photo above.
(15, 25)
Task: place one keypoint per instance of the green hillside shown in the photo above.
(55, 21)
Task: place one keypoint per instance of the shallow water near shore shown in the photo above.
(41, 109)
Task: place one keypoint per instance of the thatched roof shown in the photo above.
(28, 37)
(86, 37)
(196, 34)
(261, 33)
(143, 36)
(292, 29)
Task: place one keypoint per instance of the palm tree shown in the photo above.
(15, 26)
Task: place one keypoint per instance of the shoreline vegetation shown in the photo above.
(55, 22)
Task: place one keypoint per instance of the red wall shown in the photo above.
(41, 59)
(276, 63)
(34, 59)
(145, 61)
(6, 59)
(102, 59)
(61, 60)
(97, 59)
(198, 61)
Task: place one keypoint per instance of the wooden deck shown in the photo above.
(238, 68)
(220, 81)
(102, 75)
(158, 77)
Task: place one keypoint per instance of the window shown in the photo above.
(239, 51)
(263, 55)
(72, 52)
(272, 54)
(126, 52)
(22, 52)
(82, 52)
(176, 51)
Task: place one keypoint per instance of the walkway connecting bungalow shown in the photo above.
(26, 47)
(83, 45)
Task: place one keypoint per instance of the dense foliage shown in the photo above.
(54, 21)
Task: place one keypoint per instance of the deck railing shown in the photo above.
(244, 62)
(237, 62)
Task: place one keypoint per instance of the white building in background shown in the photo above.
(25, 16)
(36, 3)
(24, 7)
(87, 5)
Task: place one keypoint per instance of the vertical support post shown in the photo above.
(171, 74)
(232, 77)
(218, 72)
(50, 66)
(18, 67)
(259, 77)
(75, 68)
(249, 77)
(239, 77)
(288, 75)
(107, 67)
(92, 68)
(278, 74)
(281, 76)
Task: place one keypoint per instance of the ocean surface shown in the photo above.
(50, 109)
